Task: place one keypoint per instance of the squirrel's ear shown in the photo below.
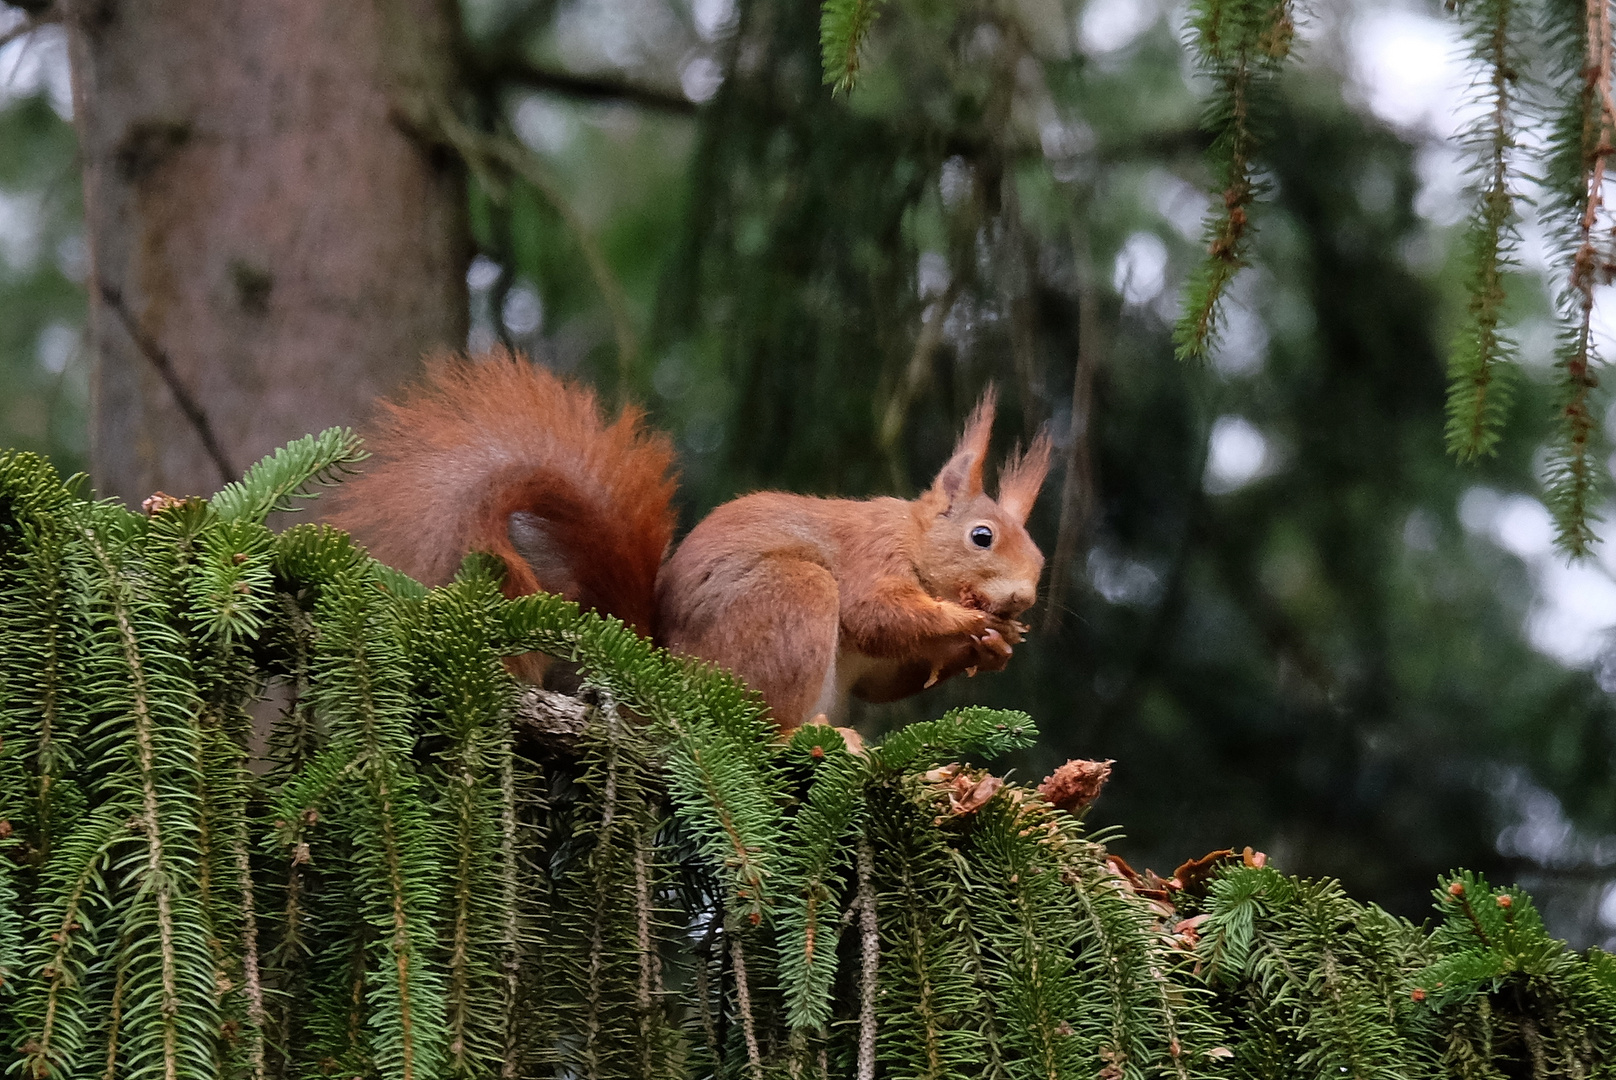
(961, 477)
(1020, 479)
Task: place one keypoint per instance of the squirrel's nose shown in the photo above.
(1019, 601)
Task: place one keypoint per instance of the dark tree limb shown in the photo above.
(549, 720)
(519, 72)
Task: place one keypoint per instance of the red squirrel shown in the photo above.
(808, 600)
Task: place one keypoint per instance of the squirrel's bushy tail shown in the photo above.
(500, 455)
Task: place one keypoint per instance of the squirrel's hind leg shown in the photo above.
(777, 630)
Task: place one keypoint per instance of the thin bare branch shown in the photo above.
(916, 374)
(593, 88)
(192, 409)
(484, 152)
(44, 17)
(1078, 495)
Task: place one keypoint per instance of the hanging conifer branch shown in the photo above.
(163, 946)
(224, 572)
(510, 944)
(717, 774)
(648, 996)
(473, 712)
(808, 921)
(54, 1018)
(1136, 1013)
(253, 987)
(870, 955)
(1477, 396)
(1585, 131)
(38, 714)
(361, 688)
(1241, 45)
(602, 890)
(743, 1005)
(936, 1015)
(844, 28)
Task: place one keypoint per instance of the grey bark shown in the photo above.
(270, 246)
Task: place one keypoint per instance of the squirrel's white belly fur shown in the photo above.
(848, 669)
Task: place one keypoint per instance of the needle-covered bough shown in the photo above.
(402, 881)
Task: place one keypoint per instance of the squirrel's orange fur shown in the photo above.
(454, 457)
(808, 600)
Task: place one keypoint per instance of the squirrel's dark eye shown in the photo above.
(982, 536)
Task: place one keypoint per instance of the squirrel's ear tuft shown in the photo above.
(1021, 478)
(961, 477)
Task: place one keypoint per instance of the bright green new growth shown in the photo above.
(273, 483)
(403, 886)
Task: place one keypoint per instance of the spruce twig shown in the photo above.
(271, 485)
(1477, 397)
(1241, 45)
(1581, 146)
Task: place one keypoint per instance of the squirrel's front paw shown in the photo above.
(985, 648)
(1011, 630)
(992, 650)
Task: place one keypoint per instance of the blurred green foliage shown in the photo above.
(43, 362)
(1320, 660)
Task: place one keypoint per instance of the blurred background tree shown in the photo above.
(1291, 619)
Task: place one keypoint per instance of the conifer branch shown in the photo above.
(11, 920)
(870, 954)
(1477, 398)
(454, 651)
(719, 777)
(162, 762)
(1033, 938)
(253, 987)
(994, 937)
(57, 1014)
(645, 992)
(361, 686)
(1241, 45)
(704, 962)
(511, 939)
(1585, 132)
(816, 851)
(743, 1005)
(972, 730)
(933, 1009)
(115, 1023)
(593, 987)
(271, 485)
(844, 28)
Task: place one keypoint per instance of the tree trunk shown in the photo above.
(270, 248)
